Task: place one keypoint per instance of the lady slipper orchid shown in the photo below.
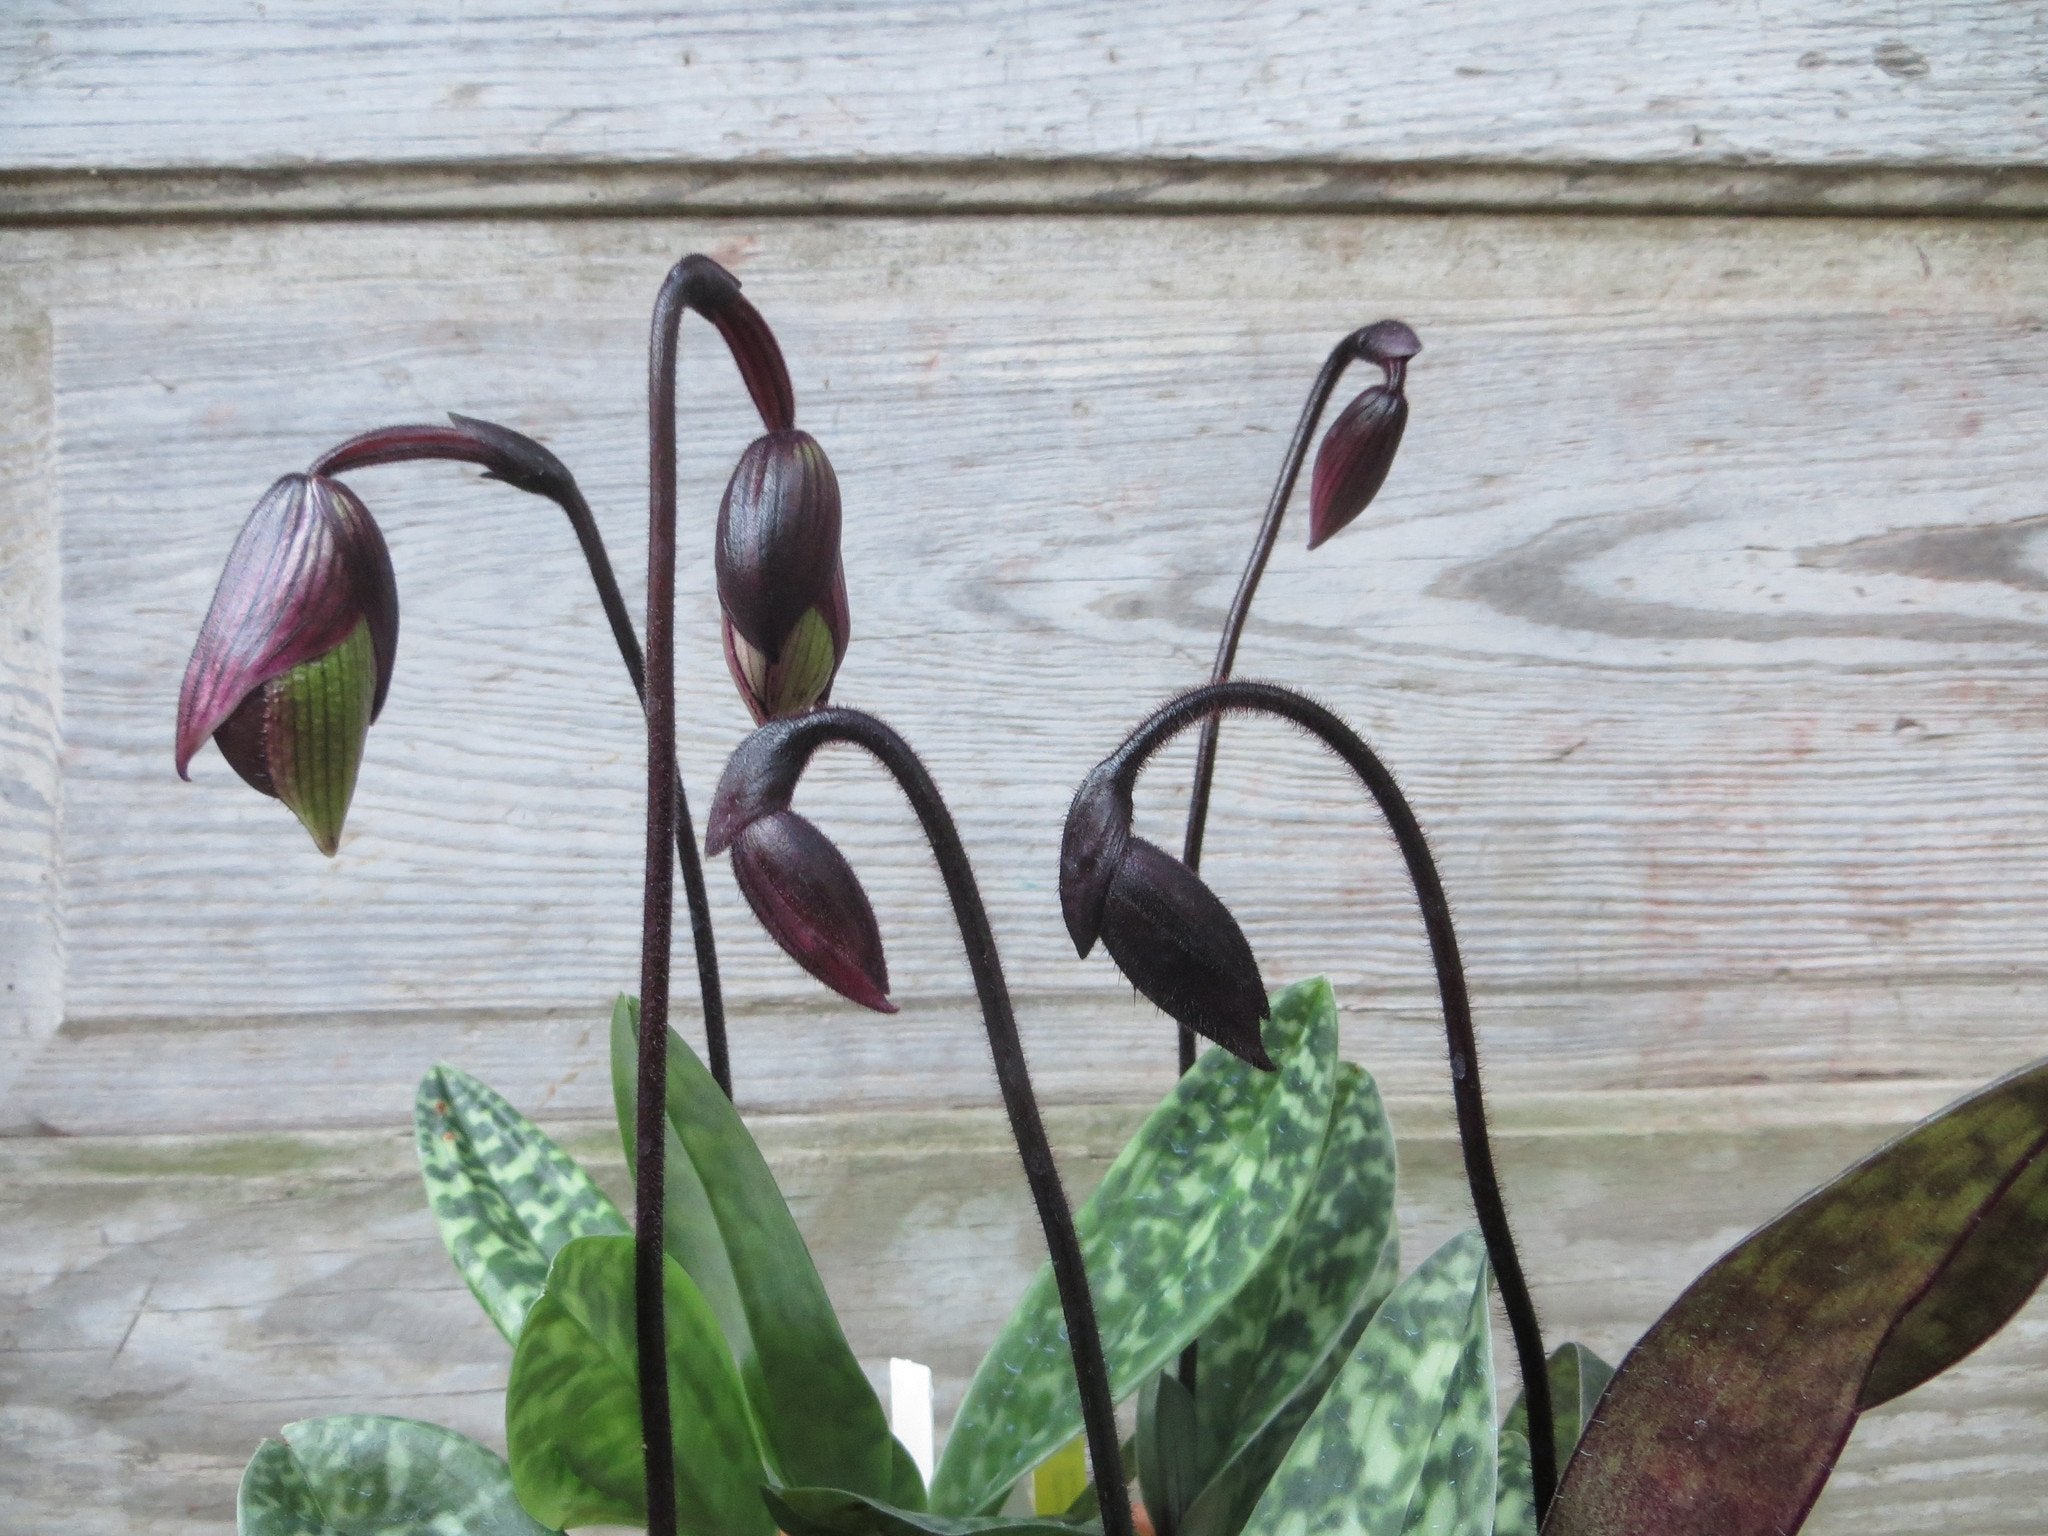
(294, 658)
(780, 582)
(1169, 934)
(1358, 450)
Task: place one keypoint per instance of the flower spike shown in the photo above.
(1358, 450)
(294, 659)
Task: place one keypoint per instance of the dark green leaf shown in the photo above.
(1730, 1412)
(831, 1512)
(726, 1223)
(1265, 1344)
(1184, 1216)
(1577, 1378)
(906, 1483)
(1169, 1468)
(1227, 1500)
(367, 1475)
(1403, 1441)
(572, 1409)
(505, 1196)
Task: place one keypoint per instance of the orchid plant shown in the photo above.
(1238, 1269)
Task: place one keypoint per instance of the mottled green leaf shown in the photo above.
(572, 1408)
(368, 1475)
(1514, 1503)
(504, 1196)
(1231, 1493)
(1403, 1441)
(1265, 1344)
(726, 1223)
(1729, 1413)
(1577, 1378)
(831, 1512)
(1169, 1464)
(1184, 1216)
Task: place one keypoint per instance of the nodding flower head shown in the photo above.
(1167, 931)
(1358, 450)
(794, 877)
(780, 581)
(294, 659)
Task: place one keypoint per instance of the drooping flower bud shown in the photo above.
(715, 294)
(1358, 450)
(794, 877)
(294, 659)
(1166, 930)
(780, 581)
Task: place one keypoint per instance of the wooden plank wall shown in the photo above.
(1702, 617)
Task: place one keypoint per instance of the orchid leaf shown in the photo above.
(369, 1475)
(832, 1512)
(1185, 1215)
(1265, 1344)
(505, 1197)
(1168, 1462)
(1577, 1378)
(1403, 1441)
(1234, 1489)
(1058, 1482)
(726, 1223)
(572, 1408)
(1730, 1412)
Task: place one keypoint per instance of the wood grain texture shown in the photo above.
(227, 83)
(166, 1302)
(31, 951)
(1702, 617)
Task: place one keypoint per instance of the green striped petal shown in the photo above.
(317, 717)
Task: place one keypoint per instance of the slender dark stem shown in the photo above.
(1206, 703)
(1098, 1407)
(1341, 357)
(395, 445)
(657, 916)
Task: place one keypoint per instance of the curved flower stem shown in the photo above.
(395, 445)
(1215, 699)
(803, 735)
(1341, 357)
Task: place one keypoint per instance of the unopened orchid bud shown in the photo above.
(294, 659)
(1358, 450)
(780, 582)
(1166, 930)
(809, 899)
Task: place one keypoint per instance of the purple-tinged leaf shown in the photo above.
(1729, 1414)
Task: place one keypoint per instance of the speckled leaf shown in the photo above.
(1729, 1413)
(504, 1196)
(368, 1475)
(1514, 1500)
(1264, 1345)
(832, 1512)
(572, 1408)
(1414, 1401)
(726, 1223)
(1183, 1218)
(1577, 1378)
(1231, 1493)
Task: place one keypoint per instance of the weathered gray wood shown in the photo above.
(31, 961)
(166, 1302)
(1700, 617)
(114, 83)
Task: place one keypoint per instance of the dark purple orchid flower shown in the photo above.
(794, 877)
(1358, 450)
(294, 659)
(1169, 934)
(780, 581)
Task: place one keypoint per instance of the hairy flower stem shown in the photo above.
(802, 736)
(1341, 357)
(394, 445)
(1215, 699)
